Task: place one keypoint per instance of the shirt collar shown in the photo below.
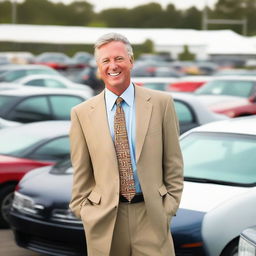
(127, 95)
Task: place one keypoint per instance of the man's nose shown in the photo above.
(113, 65)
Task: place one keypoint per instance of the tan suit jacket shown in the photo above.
(95, 194)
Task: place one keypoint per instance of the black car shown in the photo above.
(40, 217)
(33, 104)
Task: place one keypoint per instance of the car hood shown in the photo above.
(203, 197)
(46, 188)
(222, 102)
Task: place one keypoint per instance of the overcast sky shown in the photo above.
(180, 4)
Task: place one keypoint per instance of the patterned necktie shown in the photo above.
(127, 187)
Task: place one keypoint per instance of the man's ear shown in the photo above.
(132, 59)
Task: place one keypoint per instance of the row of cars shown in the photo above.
(56, 60)
(219, 178)
(217, 203)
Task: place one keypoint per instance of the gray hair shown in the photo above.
(110, 37)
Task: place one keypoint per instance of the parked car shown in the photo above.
(154, 69)
(24, 148)
(235, 72)
(233, 96)
(219, 190)
(188, 83)
(53, 81)
(31, 104)
(56, 60)
(247, 242)
(10, 73)
(156, 83)
(81, 59)
(90, 77)
(18, 57)
(191, 112)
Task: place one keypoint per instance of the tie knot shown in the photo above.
(119, 101)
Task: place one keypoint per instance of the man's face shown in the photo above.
(114, 65)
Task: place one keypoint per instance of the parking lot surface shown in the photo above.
(9, 248)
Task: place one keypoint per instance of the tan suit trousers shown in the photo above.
(133, 233)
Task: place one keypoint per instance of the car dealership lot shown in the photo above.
(8, 246)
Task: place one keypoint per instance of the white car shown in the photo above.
(156, 83)
(218, 200)
(6, 123)
(52, 81)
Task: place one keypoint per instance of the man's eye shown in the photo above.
(119, 58)
(105, 61)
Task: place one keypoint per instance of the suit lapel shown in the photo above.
(99, 121)
(143, 114)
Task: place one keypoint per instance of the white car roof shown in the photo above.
(241, 125)
(243, 78)
(31, 90)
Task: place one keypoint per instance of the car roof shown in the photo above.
(11, 67)
(31, 90)
(240, 125)
(244, 78)
(46, 129)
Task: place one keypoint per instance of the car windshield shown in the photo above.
(240, 88)
(220, 158)
(15, 141)
(4, 100)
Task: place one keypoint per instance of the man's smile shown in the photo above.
(114, 74)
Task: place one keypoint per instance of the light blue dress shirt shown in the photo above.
(128, 105)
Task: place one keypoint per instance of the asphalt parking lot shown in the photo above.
(8, 246)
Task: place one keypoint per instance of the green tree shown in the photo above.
(172, 17)
(191, 18)
(186, 54)
(5, 12)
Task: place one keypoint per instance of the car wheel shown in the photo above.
(231, 249)
(6, 198)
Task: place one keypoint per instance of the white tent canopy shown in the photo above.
(202, 43)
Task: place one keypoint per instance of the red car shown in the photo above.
(233, 96)
(56, 60)
(188, 83)
(24, 148)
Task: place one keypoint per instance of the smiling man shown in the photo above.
(128, 168)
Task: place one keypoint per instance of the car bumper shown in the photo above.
(56, 239)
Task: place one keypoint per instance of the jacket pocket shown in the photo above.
(94, 197)
(167, 200)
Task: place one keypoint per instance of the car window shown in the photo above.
(41, 71)
(53, 83)
(4, 100)
(53, 150)
(13, 75)
(227, 87)
(61, 105)
(220, 157)
(36, 82)
(31, 109)
(183, 111)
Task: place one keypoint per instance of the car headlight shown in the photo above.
(25, 204)
(246, 247)
(65, 215)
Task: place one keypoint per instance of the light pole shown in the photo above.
(14, 12)
(205, 16)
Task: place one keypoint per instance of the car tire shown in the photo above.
(6, 197)
(231, 249)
